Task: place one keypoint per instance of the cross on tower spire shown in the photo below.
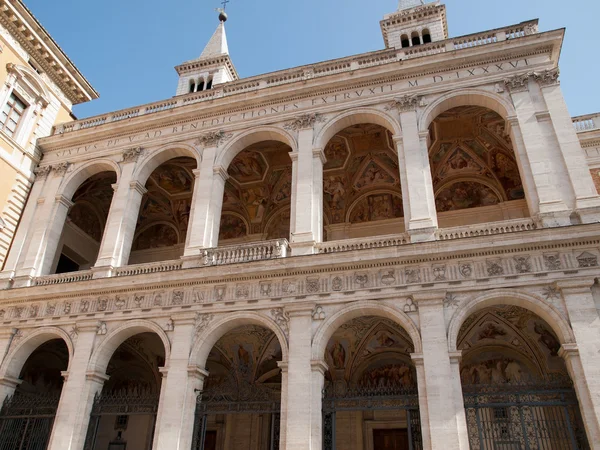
(224, 3)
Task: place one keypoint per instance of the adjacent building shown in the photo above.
(393, 250)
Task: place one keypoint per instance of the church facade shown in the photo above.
(393, 250)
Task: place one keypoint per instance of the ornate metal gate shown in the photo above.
(246, 398)
(527, 417)
(338, 398)
(129, 403)
(26, 421)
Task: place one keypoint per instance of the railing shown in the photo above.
(485, 229)
(349, 245)
(348, 64)
(254, 251)
(156, 267)
(61, 278)
(587, 123)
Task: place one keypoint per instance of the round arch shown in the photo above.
(465, 97)
(153, 224)
(553, 317)
(250, 137)
(85, 171)
(217, 329)
(356, 117)
(361, 309)
(477, 179)
(155, 158)
(101, 355)
(355, 203)
(16, 358)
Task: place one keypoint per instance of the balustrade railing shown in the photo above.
(587, 123)
(254, 251)
(348, 245)
(70, 277)
(155, 267)
(341, 65)
(485, 229)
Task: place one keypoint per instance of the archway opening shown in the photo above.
(124, 413)
(257, 198)
(26, 418)
(475, 174)
(239, 406)
(517, 391)
(84, 228)
(162, 224)
(361, 184)
(370, 399)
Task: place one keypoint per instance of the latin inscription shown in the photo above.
(223, 121)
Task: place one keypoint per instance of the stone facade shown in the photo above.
(431, 236)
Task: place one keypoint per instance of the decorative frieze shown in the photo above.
(213, 138)
(304, 122)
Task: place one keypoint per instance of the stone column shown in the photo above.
(175, 421)
(25, 229)
(423, 406)
(78, 393)
(585, 322)
(299, 380)
(200, 227)
(418, 198)
(283, 365)
(122, 219)
(316, 417)
(7, 385)
(587, 200)
(461, 419)
(46, 231)
(306, 217)
(540, 152)
(444, 425)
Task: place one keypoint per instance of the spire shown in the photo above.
(217, 45)
(407, 4)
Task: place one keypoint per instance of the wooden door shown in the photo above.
(394, 439)
(210, 441)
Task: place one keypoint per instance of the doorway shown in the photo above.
(393, 439)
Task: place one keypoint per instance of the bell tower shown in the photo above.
(415, 23)
(212, 68)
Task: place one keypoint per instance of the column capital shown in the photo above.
(283, 365)
(319, 365)
(88, 325)
(300, 310)
(398, 138)
(304, 122)
(65, 375)
(7, 332)
(197, 173)
(164, 371)
(294, 156)
(548, 77)
(518, 83)
(197, 372)
(577, 286)
(455, 357)
(136, 185)
(185, 318)
(429, 298)
(64, 201)
(318, 153)
(424, 134)
(221, 172)
(418, 359)
(97, 377)
(568, 351)
(10, 382)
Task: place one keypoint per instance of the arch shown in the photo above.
(163, 154)
(477, 179)
(426, 36)
(360, 309)
(355, 203)
(101, 355)
(356, 117)
(254, 136)
(87, 170)
(465, 97)
(553, 317)
(277, 214)
(16, 358)
(153, 224)
(217, 329)
(405, 41)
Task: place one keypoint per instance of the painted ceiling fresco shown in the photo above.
(361, 179)
(246, 356)
(257, 193)
(165, 208)
(508, 344)
(370, 352)
(472, 160)
(92, 203)
(134, 366)
(41, 373)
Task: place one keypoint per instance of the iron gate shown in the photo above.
(338, 398)
(26, 421)
(244, 399)
(528, 417)
(120, 404)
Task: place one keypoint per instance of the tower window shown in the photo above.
(11, 115)
(200, 85)
(405, 41)
(192, 86)
(416, 39)
(426, 36)
(209, 83)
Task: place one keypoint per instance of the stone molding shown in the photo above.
(304, 122)
(405, 103)
(213, 138)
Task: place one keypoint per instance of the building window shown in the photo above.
(405, 41)
(200, 85)
(416, 39)
(11, 114)
(426, 36)
(192, 86)
(209, 83)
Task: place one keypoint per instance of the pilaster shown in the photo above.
(7, 385)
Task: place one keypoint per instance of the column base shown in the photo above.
(553, 219)
(192, 261)
(588, 214)
(303, 248)
(422, 234)
(6, 279)
(24, 278)
(102, 272)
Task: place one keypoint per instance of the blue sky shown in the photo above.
(127, 48)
